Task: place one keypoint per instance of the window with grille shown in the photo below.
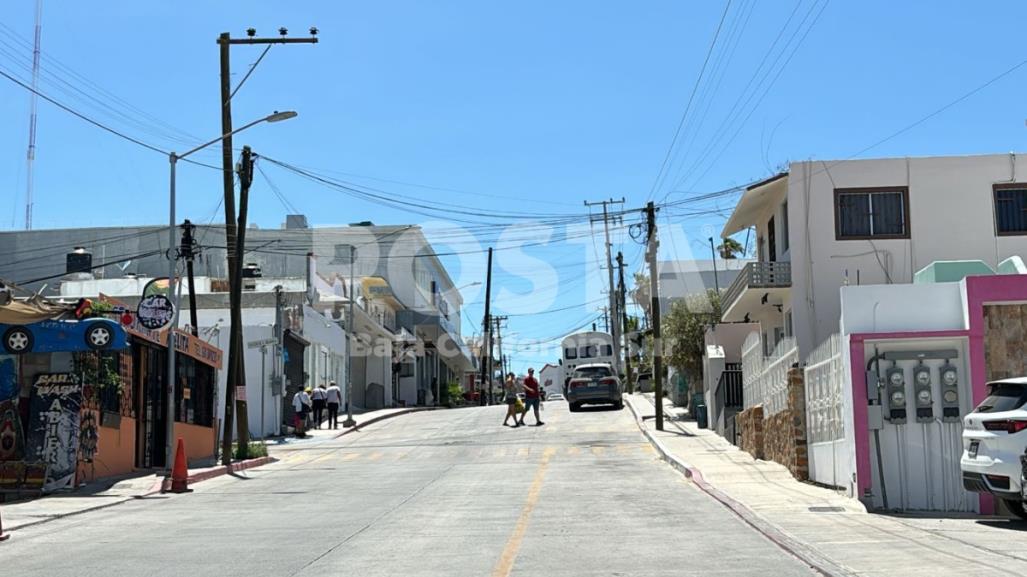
(871, 213)
(1010, 209)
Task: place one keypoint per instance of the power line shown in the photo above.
(663, 166)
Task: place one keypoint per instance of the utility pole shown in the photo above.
(606, 318)
(188, 252)
(242, 414)
(652, 246)
(615, 332)
(499, 344)
(486, 340)
(234, 248)
(624, 319)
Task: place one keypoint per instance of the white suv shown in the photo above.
(994, 439)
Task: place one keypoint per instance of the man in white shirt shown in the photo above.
(319, 396)
(334, 397)
(301, 404)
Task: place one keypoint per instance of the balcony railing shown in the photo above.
(758, 275)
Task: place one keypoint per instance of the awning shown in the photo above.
(753, 203)
(30, 311)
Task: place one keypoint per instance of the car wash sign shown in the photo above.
(54, 428)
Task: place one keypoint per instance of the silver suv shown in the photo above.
(594, 384)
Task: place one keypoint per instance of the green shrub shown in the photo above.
(254, 450)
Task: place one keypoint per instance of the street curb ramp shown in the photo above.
(373, 420)
(773, 533)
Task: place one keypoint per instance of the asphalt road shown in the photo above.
(449, 493)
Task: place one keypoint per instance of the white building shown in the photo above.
(827, 224)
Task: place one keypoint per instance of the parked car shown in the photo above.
(555, 397)
(63, 335)
(994, 439)
(594, 384)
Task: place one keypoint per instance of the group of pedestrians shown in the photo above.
(309, 403)
(514, 404)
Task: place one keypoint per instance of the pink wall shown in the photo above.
(980, 291)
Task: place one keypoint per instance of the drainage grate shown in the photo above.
(827, 509)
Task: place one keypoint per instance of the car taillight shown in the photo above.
(1009, 425)
(609, 381)
(576, 384)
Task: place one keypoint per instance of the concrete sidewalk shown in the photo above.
(825, 528)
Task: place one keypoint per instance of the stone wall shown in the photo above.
(750, 425)
(780, 437)
(1004, 341)
(785, 436)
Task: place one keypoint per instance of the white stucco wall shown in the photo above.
(901, 307)
(951, 217)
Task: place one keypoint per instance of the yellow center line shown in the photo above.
(513, 544)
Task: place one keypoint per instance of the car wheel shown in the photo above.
(574, 407)
(618, 405)
(18, 340)
(1016, 508)
(99, 336)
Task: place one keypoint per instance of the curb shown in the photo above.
(774, 534)
(157, 488)
(374, 420)
(214, 472)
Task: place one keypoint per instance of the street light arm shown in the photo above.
(276, 117)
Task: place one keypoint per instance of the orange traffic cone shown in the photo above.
(180, 472)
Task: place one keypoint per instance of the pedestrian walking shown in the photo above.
(320, 399)
(301, 405)
(531, 397)
(334, 399)
(510, 398)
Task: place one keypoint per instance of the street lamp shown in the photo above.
(173, 159)
(469, 285)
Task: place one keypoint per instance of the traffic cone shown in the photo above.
(180, 472)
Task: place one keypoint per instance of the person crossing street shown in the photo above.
(334, 399)
(531, 397)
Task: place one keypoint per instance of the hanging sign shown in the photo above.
(155, 311)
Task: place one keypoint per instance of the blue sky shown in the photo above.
(525, 107)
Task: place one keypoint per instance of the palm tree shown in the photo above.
(730, 249)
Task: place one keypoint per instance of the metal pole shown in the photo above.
(263, 388)
(485, 396)
(350, 329)
(716, 281)
(228, 184)
(169, 455)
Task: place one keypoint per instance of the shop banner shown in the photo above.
(54, 428)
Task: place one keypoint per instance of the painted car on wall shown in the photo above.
(52, 336)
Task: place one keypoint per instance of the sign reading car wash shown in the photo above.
(185, 343)
(155, 311)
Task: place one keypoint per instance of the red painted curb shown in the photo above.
(218, 471)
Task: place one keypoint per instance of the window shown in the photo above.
(870, 213)
(1010, 209)
(607, 350)
(587, 352)
(570, 353)
(784, 227)
(593, 372)
(342, 254)
(1003, 397)
(194, 395)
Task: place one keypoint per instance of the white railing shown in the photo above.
(765, 379)
(824, 377)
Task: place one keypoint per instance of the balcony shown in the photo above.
(757, 287)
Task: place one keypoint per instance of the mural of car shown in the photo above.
(63, 336)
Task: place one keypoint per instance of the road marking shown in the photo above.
(375, 456)
(350, 456)
(598, 451)
(522, 452)
(513, 544)
(573, 451)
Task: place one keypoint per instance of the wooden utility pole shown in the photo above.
(234, 248)
(624, 321)
(610, 327)
(485, 390)
(652, 246)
